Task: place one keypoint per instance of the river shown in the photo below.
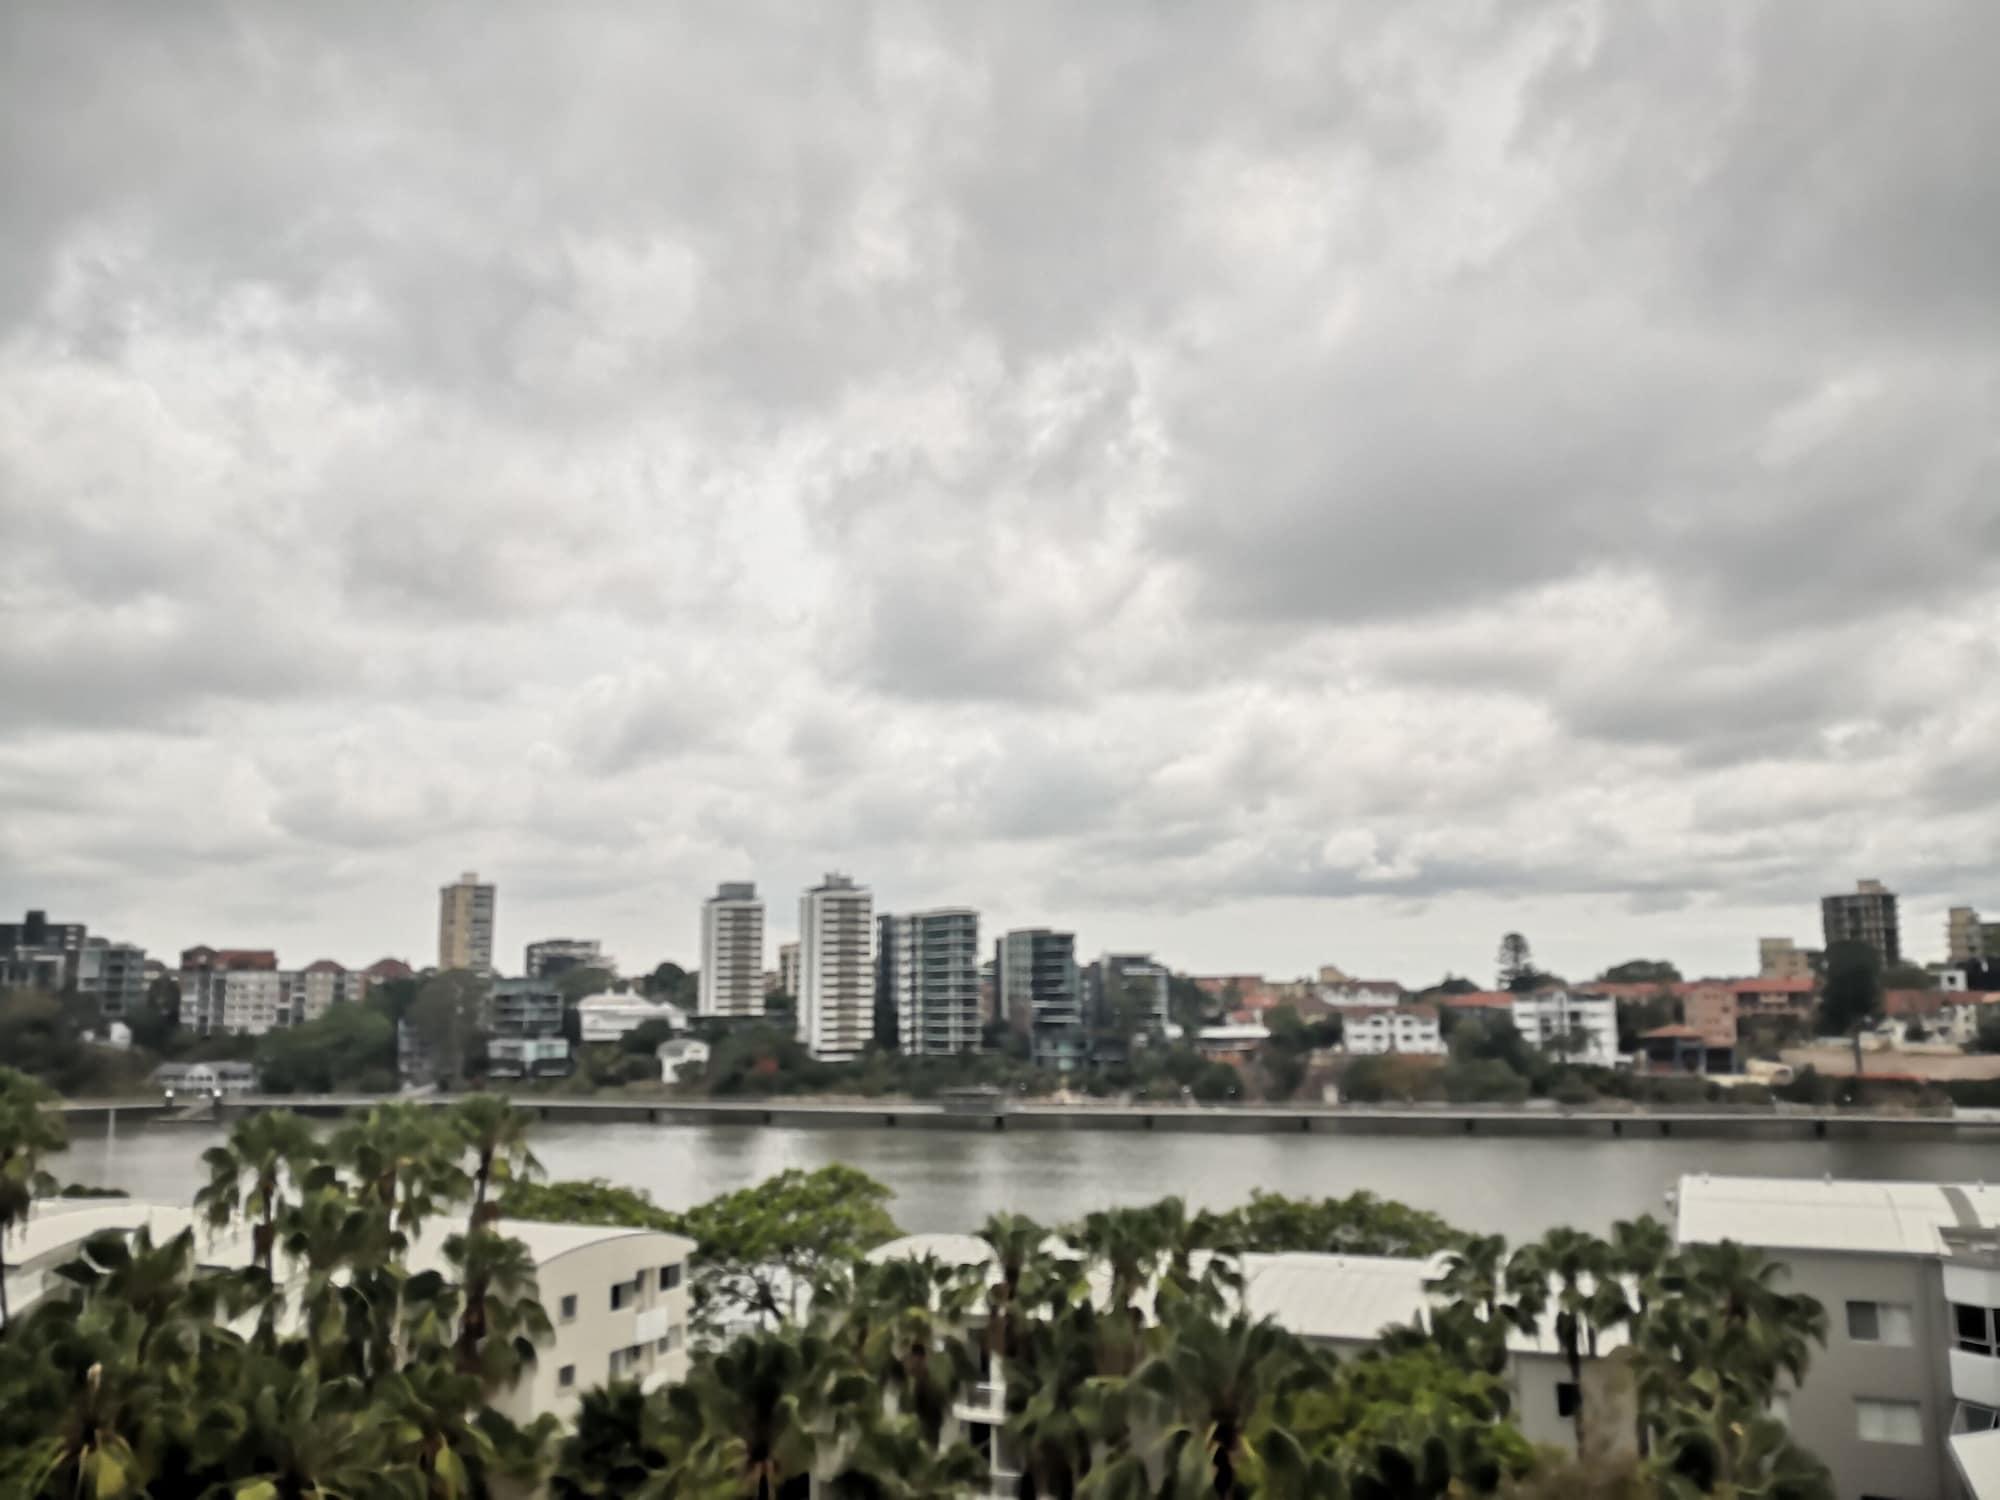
(950, 1180)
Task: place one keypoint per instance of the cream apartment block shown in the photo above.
(1904, 1400)
(616, 1298)
(836, 999)
(465, 925)
(731, 981)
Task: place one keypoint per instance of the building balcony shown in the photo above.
(984, 1401)
(1975, 1377)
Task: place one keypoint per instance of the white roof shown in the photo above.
(946, 1249)
(62, 1224)
(1977, 1455)
(1799, 1213)
(1340, 1298)
(1347, 1297)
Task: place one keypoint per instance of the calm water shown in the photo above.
(947, 1180)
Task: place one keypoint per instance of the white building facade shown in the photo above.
(836, 1002)
(929, 968)
(614, 1015)
(731, 981)
(1583, 1028)
(1374, 1030)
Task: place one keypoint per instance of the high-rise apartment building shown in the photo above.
(1041, 991)
(836, 969)
(1867, 916)
(927, 968)
(112, 974)
(1964, 936)
(732, 952)
(1130, 988)
(465, 925)
(555, 956)
(788, 969)
(38, 954)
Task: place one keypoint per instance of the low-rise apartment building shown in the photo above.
(1909, 1274)
(1372, 1030)
(1344, 1303)
(617, 1298)
(1581, 1027)
(615, 1014)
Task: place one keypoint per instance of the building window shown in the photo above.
(670, 1277)
(619, 1291)
(566, 1377)
(1879, 1323)
(1973, 1418)
(569, 1308)
(639, 1280)
(1974, 1326)
(1889, 1422)
(1568, 1398)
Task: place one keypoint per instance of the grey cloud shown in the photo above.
(1129, 459)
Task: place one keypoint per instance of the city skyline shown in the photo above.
(1918, 948)
(1324, 485)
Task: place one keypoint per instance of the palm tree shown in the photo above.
(1213, 1387)
(1473, 1275)
(29, 1130)
(909, 1317)
(1586, 1295)
(757, 1404)
(248, 1177)
(497, 1135)
(404, 1156)
(500, 1321)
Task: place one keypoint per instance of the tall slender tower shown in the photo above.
(928, 970)
(837, 969)
(465, 925)
(732, 951)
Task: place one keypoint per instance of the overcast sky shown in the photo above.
(1267, 484)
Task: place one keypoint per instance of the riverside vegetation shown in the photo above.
(335, 1373)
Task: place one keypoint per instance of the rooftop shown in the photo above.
(1797, 1213)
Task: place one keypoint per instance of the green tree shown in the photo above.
(349, 1048)
(496, 1135)
(1515, 963)
(1852, 995)
(254, 1175)
(761, 1251)
(1572, 1273)
(1642, 971)
(580, 984)
(30, 1130)
(447, 1019)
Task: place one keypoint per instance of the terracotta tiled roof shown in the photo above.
(1479, 1000)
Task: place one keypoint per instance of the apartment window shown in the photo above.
(670, 1277)
(1975, 1328)
(566, 1377)
(1879, 1323)
(1568, 1398)
(569, 1308)
(1889, 1422)
(621, 1292)
(1973, 1418)
(639, 1280)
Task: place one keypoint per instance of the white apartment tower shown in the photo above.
(465, 925)
(929, 969)
(836, 969)
(732, 952)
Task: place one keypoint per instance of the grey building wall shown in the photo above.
(1822, 1413)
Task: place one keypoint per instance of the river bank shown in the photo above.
(1000, 1116)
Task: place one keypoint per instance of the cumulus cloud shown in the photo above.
(1266, 484)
